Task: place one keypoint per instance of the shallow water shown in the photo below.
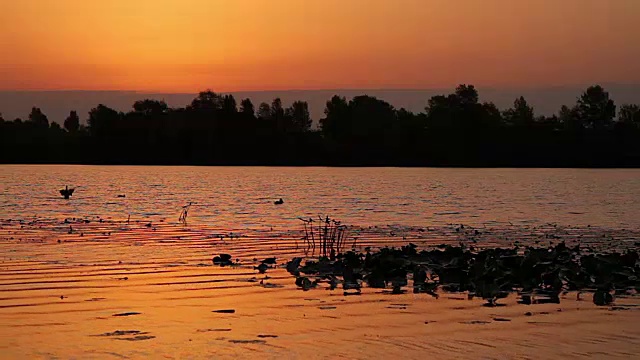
(242, 197)
(126, 290)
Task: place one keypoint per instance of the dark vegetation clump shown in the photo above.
(538, 275)
(222, 260)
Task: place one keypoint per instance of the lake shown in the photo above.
(94, 288)
(243, 197)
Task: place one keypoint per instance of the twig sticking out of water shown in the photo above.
(184, 213)
(308, 235)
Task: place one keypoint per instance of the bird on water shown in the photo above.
(66, 192)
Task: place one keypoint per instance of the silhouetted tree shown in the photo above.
(207, 100)
(629, 115)
(102, 120)
(276, 119)
(461, 110)
(247, 108)
(150, 107)
(336, 111)
(441, 111)
(298, 113)
(229, 105)
(264, 111)
(570, 118)
(455, 129)
(38, 118)
(409, 128)
(491, 116)
(550, 123)
(595, 109)
(72, 122)
(370, 118)
(276, 108)
(521, 114)
(467, 94)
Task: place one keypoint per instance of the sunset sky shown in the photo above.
(189, 45)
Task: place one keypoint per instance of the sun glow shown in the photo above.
(188, 45)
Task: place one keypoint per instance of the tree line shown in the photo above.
(453, 130)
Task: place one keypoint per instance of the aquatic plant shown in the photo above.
(222, 260)
(329, 233)
(538, 275)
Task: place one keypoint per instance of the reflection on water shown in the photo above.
(88, 288)
(243, 197)
(111, 289)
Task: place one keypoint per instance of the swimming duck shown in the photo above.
(66, 192)
(279, 202)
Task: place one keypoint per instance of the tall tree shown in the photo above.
(595, 109)
(102, 120)
(629, 115)
(440, 111)
(38, 118)
(72, 122)
(298, 112)
(247, 108)
(277, 111)
(490, 116)
(278, 121)
(229, 105)
(55, 126)
(521, 114)
(336, 113)
(409, 125)
(264, 111)
(461, 110)
(207, 100)
(570, 118)
(150, 107)
(370, 118)
(467, 94)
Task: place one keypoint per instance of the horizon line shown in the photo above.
(398, 89)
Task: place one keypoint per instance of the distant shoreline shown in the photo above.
(454, 130)
(426, 166)
(57, 103)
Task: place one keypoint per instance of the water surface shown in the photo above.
(242, 197)
(113, 289)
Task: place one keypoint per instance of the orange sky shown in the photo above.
(228, 45)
